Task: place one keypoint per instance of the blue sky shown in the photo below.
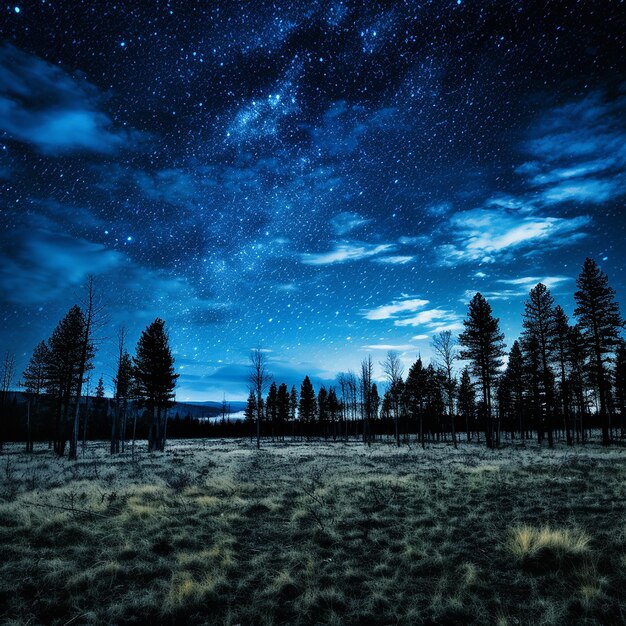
(324, 180)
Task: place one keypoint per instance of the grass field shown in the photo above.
(314, 533)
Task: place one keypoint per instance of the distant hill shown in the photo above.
(208, 409)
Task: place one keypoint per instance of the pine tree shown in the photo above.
(250, 411)
(322, 409)
(467, 401)
(282, 409)
(100, 403)
(577, 362)
(155, 378)
(600, 322)
(123, 385)
(34, 382)
(415, 394)
(63, 375)
(514, 375)
(540, 325)
(560, 345)
(483, 347)
(271, 407)
(307, 407)
(334, 409)
(620, 383)
(293, 403)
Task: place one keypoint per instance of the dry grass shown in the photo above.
(527, 543)
(314, 533)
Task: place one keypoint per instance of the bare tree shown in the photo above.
(393, 369)
(92, 312)
(445, 347)
(260, 380)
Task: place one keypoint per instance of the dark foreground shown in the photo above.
(314, 533)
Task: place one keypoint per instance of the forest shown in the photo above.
(561, 380)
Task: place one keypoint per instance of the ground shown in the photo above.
(314, 533)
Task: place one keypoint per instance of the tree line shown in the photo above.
(562, 379)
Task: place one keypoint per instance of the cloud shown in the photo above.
(432, 318)
(42, 105)
(346, 221)
(346, 251)
(403, 347)
(578, 151)
(486, 234)
(39, 264)
(394, 260)
(390, 311)
(518, 287)
(406, 312)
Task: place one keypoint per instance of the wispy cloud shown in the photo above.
(437, 319)
(394, 260)
(402, 347)
(579, 152)
(486, 234)
(346, 221)
(390, 311)
(406, 312)
(42, 105)
(518, 287)
(346, 251)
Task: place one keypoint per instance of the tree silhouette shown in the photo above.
(540, 329)
(307, 407)
(259, 379)
(483, 347)
(66, 368)
(34, 383)
(600, 321)
(155, 380)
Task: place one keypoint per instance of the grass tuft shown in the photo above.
(528, 544)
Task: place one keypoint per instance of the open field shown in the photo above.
(314, 533)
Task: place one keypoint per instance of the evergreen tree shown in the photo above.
(282, 409)
(307, 407)
(123, 385)
(560, 344)
(293, 403)
(415, 394)
(250, 411)
(322, 408)
(467, 401)
(334, 409)
(155, 378)
(63, 371)
(577, 361)
(483, 347)
(540, 328)
(620, 383)
(600, 322)
(100, 404)
(514, 376)
(271, 407)
(34, 382)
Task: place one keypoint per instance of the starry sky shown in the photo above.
(324, 179)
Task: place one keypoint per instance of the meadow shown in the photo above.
(216, 532)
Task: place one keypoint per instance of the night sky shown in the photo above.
(322, 179)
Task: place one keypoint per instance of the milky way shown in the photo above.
(323, 179)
